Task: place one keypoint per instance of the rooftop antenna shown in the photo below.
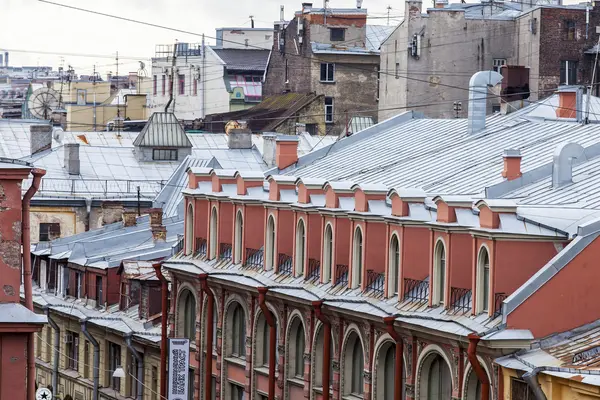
(389, 8)
(325, 4)
(252, 21)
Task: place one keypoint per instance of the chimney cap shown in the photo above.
(408, 194)
(287, 138)
(250, 175)
(512, 153)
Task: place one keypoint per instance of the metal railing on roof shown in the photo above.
(416, 290)
(285, 264)
(97, 186)
(254, 258)
(375, 282)
(313, 273)
(201, 246)
(498, 299)
(225, 251)
(460, 299)
(341, 275)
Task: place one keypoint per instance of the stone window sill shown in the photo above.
(296, 381)
(352, 397)
(241, 362)
(319, 389)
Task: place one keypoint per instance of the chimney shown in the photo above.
(478, 93)
(239, 139)
(441, 3)
(72, 163)
(281, 12)
(129, 218)
(6, 59)
(306, 7)
(159, 232)
(570, 102)
(512, 164)
(269, 148)
(108, 76)
(287, 151)
(413, 8)
(40, 138)
(359, 4)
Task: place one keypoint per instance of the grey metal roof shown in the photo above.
(162, 130)
(376, 34)
(244, 59)
(15, 313)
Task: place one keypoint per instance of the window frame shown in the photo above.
(357, 257)
(164, 85)
(439, 273)
(570, 29)
(214, 233)
(329, 110)
(327, 263)
(238, 327)
(568, 69)
(49, 231)
(336, 38)
(327, 72)
(270, 245)
(483, 300)
(239, 236)
(300, 247)
(165, 154)
(181, 84)
(394, 266)
(72, 351)
(154, 85)
(498, 63)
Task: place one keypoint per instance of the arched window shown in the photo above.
(354, 366)
(388, 372)
(296, 349)
(327, 253)
(357, 261)
(239, 234)
(262, 342)
(439, 274)
(318, 359)
(483, 281)
(238, 332)
(435, 382)
(473, 387)
(270, 245)
(189, 230)
(300, 247)
(265, 343)
(186, 315)
(394, 266)
(214, 245)
(385, 372)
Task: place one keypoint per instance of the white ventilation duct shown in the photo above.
(562, 168)
(478, 92)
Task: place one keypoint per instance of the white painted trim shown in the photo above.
(479, 279)
(326, 269)
(357, 270)
(296, 253)
(436, 271)
(396, 275)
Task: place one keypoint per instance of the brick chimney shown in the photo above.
(570, 102)
(72, 163)
(512, 164)
(441, 3)
(129, 218)
(159, 232)
(40, 138)
(286, 151)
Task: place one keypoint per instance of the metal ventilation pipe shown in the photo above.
(54, 326)
(94, 343)
(532, 382)
(140, 366)
(478, 92)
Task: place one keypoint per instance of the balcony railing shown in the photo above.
(341, 275)
(254, 258)
(375, 281)
(313, 272)
(460, 299)
(285, 264)
(178, 247)
(201, 246)
(498, 299)
(416, 290)
(225, 251)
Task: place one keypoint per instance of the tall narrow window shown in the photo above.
(270, 245)
(357, 258)
(389, 372)
(570, 32)
(239, 234)
(354, 367)
(300, 247)
(170, 85)
(394, 267)
(439, 274)
(327, 72)
(99, 297)
(299, 356)
(265, 343)
(483, 281)
(154, 84)
(213, 234)
(327, 253)
(163, 84)
(114, 361)
(238, 344)
(189, 230)
(186, 315)
(328, 109)
(195, 87)
(568, 72)
(181, 84)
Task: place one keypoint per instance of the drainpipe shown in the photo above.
(56, 348)
(210, 306)
(262, 292)
(163, 329)
(326, 346)
(477, 368)
(26, 241)
(532, 382)
(96, 358)
(389, 325)
(140, 366)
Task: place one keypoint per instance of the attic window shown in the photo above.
(49, 231)
(569, 30)
(337, 34)
(164, 155)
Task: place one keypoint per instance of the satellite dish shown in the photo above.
(43, 102)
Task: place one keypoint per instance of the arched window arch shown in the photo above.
(270, 245)
(261, 344)
(357, 258)
(214, 245)
(473, 386)
(239, 234)
(354, 366)
(483, 281)
(327, 253)
(436, 381)
(296, 347)
(385, 372)
(318, 359)
(394, 266)
(439, 273)
(237, 321)
(300, 247)
(189, 230)
(186, 315)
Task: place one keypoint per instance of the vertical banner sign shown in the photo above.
(179, 361)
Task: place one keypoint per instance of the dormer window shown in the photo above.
(483, 281)
(439, 273)
(164, 155)
(327, 253)
(239, 232)
(300, 247)
(213, 233)
(357, 262)
(337, 34)
(270, 244)
(394, 266)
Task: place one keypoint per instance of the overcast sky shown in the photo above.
(29, 26)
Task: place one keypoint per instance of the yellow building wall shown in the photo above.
(136, 107)
(69, 91)
(555, 388)
(70, 222)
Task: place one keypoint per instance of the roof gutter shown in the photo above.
(94, 343)
(317, 305)
(163, 328)
(140, 366)
(210, 306)
(532, 382)
(477, 368)
(56, 349)
(28, 286)
(262, 292)
(389, 326)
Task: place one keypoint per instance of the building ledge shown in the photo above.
(16, 317)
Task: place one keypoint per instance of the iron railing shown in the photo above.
(201, 246)
(178, 247)
(416, 290)
(254, 258)
(284, 266)
(313, 273)
(460, 299)
(225, 251)
(375, 281)
(341, 275)
(498, 299)
(98, 186)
